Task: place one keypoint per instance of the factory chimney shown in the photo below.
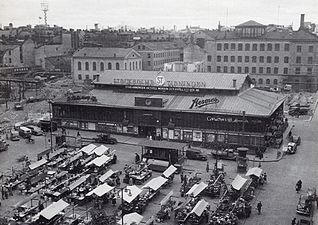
(302, 21)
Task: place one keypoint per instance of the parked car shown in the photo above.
(228, 154)
(105, 139)
(194, 153)
(296, 139)
(18, 106)
(35, 130)
(14, 135)
(291, 148)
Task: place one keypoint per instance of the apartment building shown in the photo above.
(91, 62)
(271, 58)
(155, 54)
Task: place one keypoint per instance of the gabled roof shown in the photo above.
(4, 48)
(161, 45)
(251, 23)
(104, 52)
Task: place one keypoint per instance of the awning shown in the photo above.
(106, 175)
(53, 209)
(256, 171)
(155, 183)
(165, 199)
(238, 182)
(99, 161)
(87, 149)
(75, 157)
(100, 190)
(78, 182)
(169, 171)
(129, 196)
(37, 164)
(130, 219)
(99, 150)
(25, 200)
(197, 189)
(199, 207)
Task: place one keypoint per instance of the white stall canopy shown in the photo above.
(238, 182)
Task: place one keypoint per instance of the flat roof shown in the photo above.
(163, 144)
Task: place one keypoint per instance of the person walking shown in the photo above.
(298, 186)
(265, 177)
(259, 207)
(293, 221)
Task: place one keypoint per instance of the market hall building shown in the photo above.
(207, 109)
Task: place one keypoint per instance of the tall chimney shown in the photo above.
(234, 83)
(302, 21)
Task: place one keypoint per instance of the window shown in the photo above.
(239, 69)
(253, 69)
(269, 47)
(239, 58)
(79, 66)
(86, 77)
(209, 58)
(9, 52)
(247, 47)
(86, 66)
(275, 82)
(125, 66)
(232, 69)
(209, 69)
(309, 60)
(297, 70)
(262, 47)
(254, 58)
(143, 47)
(149, 63)
(298, 59)
(261, 59)
(269, 59)
(226, 46)
(309, 70)
(232, 58)
(109, 66)
(298, 48)
(148, 55)
(225, 69)
(276, 59)
(260, 81)
(246, 69)
(311, 48)
(268, 81)
(254, 47)
(117, 66)
(218, 58)
(275, 70)
(102, 66)
(94, 66)
(247, 59)
(218, 69)
(277, 47)
(226, 58)
(286, 59)
(286, 47)
(129, 65)
(219, 47)
(79, 76)
(268, 70)
(232, 46)
(133, 63)
(240, 47)
(261, 70)
(285, 70)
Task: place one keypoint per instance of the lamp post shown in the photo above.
(51, 129)
(121, 190)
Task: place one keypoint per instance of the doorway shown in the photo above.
(147, 131)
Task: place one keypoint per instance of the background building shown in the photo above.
(91, 63)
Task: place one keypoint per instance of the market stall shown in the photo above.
(189, 182)
(99, 161)
(131, 219)
(167, 206)
(237, 187)
(137, 174)
(255, 175)
(196, 189)
(101, 194)
(131, 197)
(100, 150)
(199, 214)
(78, 189)
(214, 186)
(154, 187)
(169, 173)
(183, 211)
(37, 164)
(88, 148)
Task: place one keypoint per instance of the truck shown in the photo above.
(228, 154)
(105, 139)
(195, 153)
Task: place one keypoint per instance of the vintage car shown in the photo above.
(194, 153)
(228, 154)
(291, 148)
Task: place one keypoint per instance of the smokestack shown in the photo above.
(234, 83)
(302, 21)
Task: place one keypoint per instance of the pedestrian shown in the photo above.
(207, 167)
(181, 177)
(114, 200)
(259, 207)
(293, 221)
(298, 185)
(185, 180)
(2, 192)
(265, 177)
(137, 158)
(114, 159)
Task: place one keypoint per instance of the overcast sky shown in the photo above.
(158, 13)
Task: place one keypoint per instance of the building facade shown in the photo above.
(271, 58)
(155, 54)
(91, 63)
(10, 56)
(206, 109)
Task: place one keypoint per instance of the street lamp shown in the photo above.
(121, 191)
(51, 129)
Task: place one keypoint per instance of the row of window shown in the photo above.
(261, 59)
(164, 54)
(163, 61)
(267, 81)
(259, 47)
(254, 70)
(132, 66)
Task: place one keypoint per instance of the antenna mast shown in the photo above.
(45, 9)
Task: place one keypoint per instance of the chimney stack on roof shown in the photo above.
(234, 83)
(302, 21)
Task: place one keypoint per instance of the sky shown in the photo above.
(81, 14)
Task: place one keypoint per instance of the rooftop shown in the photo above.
(251, 23)
(98, 52)
(162, 45)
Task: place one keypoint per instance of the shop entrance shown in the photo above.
(147, 131)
